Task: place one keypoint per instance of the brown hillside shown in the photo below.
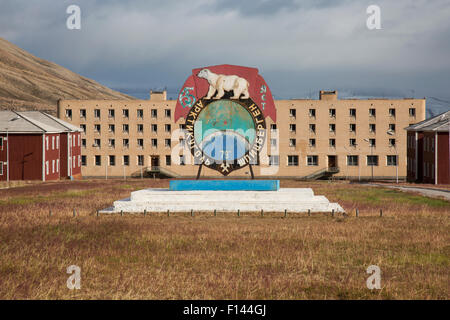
(31, 83)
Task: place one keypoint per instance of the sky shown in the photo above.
(299, 47)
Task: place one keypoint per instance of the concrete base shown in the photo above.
(161, 200)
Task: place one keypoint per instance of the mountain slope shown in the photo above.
(31, 83)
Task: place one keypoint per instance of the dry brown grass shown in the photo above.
(223, 257)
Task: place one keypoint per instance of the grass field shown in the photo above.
(223, 257)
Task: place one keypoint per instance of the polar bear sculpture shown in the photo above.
(222, 83)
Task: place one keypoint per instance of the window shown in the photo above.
(312, 142)
(292, 142)
(97, 113)
(125, 113)
(167, 113)
(273, 126)
(372, 112)
(46, 167)
(352, 142)
(168, 161)
(140, 128)
(154, 143)
(111, 128)
(53, 142)
(273, 142)
(69, 113)
(126, 160)
(332, 128)
(332, 143)
(332, 113)
(97, 143)
(53, 166)
(292, 112)
(167, 143)
(391, 160)
(312, 113)
(140, 113)
(111, 113)
(126, 143)
(1, 143)
(57, 141)
(182, 142)
(112, 143)
(412, 112)
(154, 128)
(98, 160)
(140, 160)
(125, 128)
(83, 143)
(82, 113)
(392, 127)
(392, 112)
(352, 112)
(154, 113)
(140, 143)
(182, 160)
(392, 142)
(352, 160)
(312, 160)
(372, 128)
(312, 128)
(274, 160)
(372, 161)
(83, 161)
(167, 127)
(352, 127)
(112, 161)
(292, 127)
(182, 126)
(372, 142)
(292, 160)
(97, 128)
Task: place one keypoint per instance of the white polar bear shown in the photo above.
(222, 83)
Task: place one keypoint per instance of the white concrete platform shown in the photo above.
(161, 200)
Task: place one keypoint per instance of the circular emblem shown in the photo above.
(225, 134)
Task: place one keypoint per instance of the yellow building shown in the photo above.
(349, 138)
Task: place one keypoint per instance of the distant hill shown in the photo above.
(31, 83)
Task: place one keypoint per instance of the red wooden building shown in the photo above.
(428, 144)
(37, 146)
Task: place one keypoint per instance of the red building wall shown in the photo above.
(63, 155)
(52, 150)
(25, 157)
(411, 155)
(443, 171)
(429, 157)
(76, 154)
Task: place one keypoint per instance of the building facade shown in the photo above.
(345, 138)
(33, 147)
(428, 157)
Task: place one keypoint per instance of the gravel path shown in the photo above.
(428, 192)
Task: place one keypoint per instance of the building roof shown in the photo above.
(33, 122)
(441, 122)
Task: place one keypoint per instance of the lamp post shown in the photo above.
(389, 132)
(371, 154)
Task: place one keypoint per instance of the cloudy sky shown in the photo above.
(299, 47)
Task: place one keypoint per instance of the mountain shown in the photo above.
(31, 83)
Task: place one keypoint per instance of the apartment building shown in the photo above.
(344, 138)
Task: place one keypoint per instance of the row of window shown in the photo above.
(352, 160)
(332, 127)
(126, 128)
(352, 112)
(125, 113)
(55, 164)
(292, 160)
(111, 160)
(332, 142)
(126, 143)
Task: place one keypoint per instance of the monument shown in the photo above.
(225, 109)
